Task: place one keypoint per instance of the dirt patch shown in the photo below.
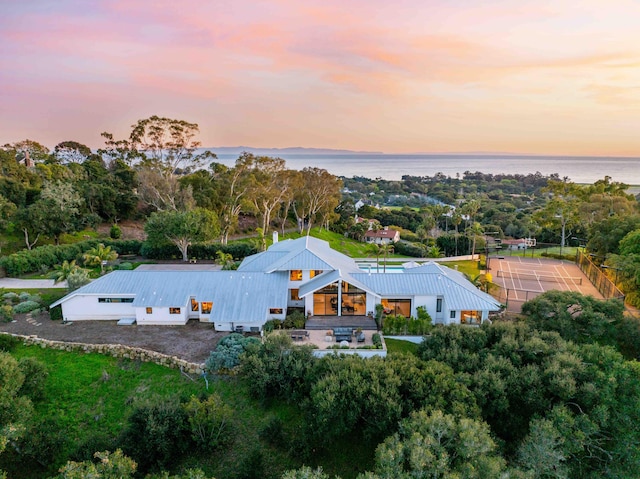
(192, 342)
(130, 230)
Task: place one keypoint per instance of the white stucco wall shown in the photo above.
(161, 315)
(428, 302)
(87, 307)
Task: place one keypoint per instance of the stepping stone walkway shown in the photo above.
(29, 319)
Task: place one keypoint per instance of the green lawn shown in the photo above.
(90, 396)
(399, 346)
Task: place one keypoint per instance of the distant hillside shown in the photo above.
(296, 150)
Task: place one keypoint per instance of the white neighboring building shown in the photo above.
(304, 273)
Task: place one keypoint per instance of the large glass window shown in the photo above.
(149, 310)
(397, 306)
(295, 295)
(174, 310)
(194, 305)
(295, 275)
(315, 272)
(325, 301)
(206, 307)
(354, 300)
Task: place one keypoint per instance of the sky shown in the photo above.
(538, 77)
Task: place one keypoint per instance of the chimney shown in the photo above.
(27, 159)
(275, 237)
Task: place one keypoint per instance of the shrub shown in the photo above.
(273, 431)
(295, 320)
(115, 232)
(156, 435)
(409, 249)
(228, 351)
(35, 377)
(209, 421)
(8, 343)
(6, 313)
(55, 314)
(26, 307)
(377, 341)
(125, 266)
(77, 279)
(43, 441)
(10, 297)
(30, 261)
(398, 324)
(272, 324)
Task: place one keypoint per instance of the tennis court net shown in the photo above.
(533, 276)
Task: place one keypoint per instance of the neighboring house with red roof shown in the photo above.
(383, 236)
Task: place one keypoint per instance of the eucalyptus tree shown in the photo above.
(562, 208)
(234, 188)
(70, 152)
(319, 195)
(268, 187)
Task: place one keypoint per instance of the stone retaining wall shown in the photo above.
(117, 351)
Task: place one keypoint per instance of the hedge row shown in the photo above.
(47, 256)
(32, 261)
(409, 249)
(199, 250)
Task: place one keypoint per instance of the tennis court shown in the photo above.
(522, 279)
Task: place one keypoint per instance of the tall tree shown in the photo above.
(58, 210)
(182, 228)
(268, 187)
(33, 150)
(168, 144)
(320, 193)
(234, 184)
(70, 152)
(562, 209)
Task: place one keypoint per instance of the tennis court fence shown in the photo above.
(601, 281)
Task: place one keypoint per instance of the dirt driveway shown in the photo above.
(192, 342)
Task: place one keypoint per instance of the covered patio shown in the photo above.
(316, 323)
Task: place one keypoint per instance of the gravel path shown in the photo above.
(192, 342)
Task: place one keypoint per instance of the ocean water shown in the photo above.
(393, 167)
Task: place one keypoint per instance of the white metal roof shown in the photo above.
(236, 295)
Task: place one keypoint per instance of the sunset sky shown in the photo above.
(540, 77)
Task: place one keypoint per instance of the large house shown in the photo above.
(304, 274)
(383, 236)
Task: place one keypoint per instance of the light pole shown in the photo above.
(486, 246)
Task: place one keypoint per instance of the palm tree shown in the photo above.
(374, 248)
(63, 271)
(475, 230)
(99, 255)
(386, 249)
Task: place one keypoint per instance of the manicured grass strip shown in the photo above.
(399, 346)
